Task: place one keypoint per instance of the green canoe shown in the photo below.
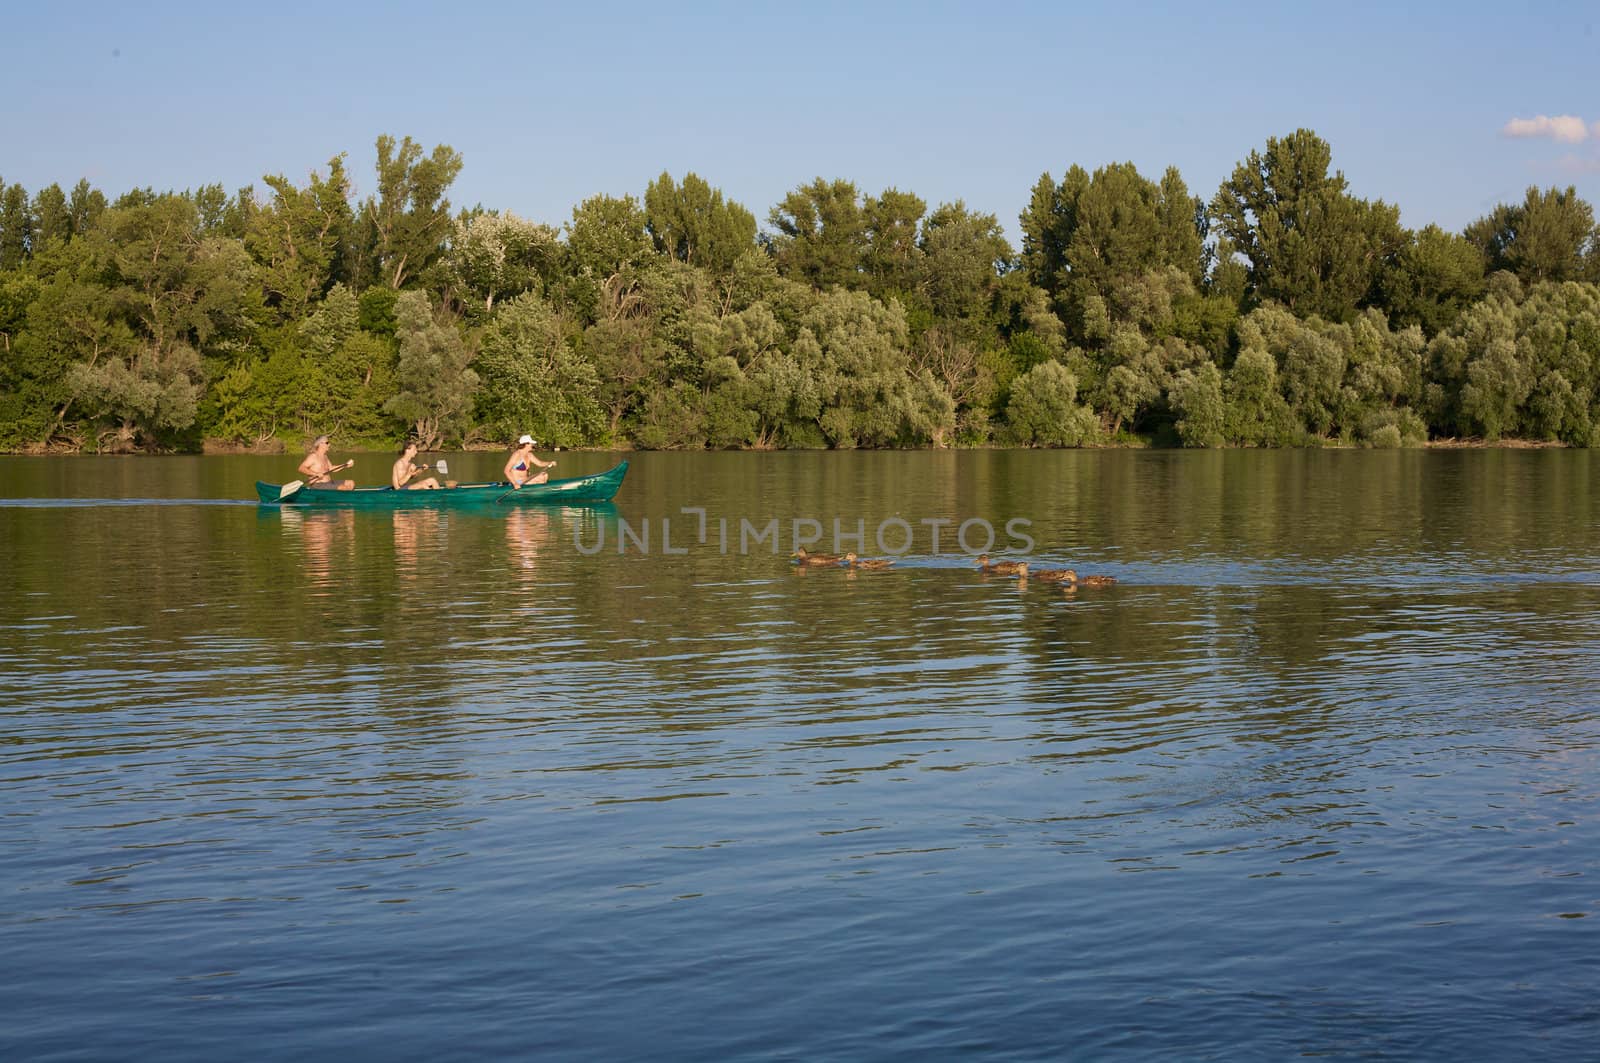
(597, 488)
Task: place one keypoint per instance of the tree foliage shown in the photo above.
(1310, 244)
(435, 386)
(692, 223)
(1283, 311)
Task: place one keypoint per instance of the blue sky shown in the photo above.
(550, 104)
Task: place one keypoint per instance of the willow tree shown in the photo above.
(1522, 364)
(434, 381)
(179, 293)
(1045, 411)
(532, 379)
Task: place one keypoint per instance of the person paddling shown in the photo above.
(520, 466)
(404, 470)
(318, 469)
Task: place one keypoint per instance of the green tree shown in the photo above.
(854, 349)
(1521, 364)
(1435, 276)
(821, 234)
(211, 206)
(178, 293)
(891, 258)
(533, 381)
(1197, 399)
(1544, 238)
(1383, 381)
(962, 256)
(606, 236)
(1048, 225)
(1045, 411)
(31, 378)
(692, 223)
(16, 226)
(295, 239)
(1090, 237)
(607, 246)
(85, 205)
(349, 374)
(964, 372)
(1310, 244)
(1308, 367)
(756, 393)
(52, 220)
(496, 256)
(410, 217)
(435, 386)
(1254, 411)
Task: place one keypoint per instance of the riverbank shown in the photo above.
(275, 447)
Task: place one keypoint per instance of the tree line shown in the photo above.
(1282, 311)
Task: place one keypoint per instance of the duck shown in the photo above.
(1097, 581)
(1054, 575)
(803, 558)
(1002, 568)
(867, 562)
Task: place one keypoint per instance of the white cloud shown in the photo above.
(1567, 128)
(1572, 164)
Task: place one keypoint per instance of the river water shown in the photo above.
(1318, 775)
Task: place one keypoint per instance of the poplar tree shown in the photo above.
(410, 216)
(1310, 244)
(692, 223)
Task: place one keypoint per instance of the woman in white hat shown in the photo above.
(520, 466)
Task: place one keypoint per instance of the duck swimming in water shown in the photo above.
(1002, 568)
(1054, 575)
(1098, 581)
(867, 562)
(803, 558)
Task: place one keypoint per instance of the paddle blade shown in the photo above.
(292, 487)
(443, 467)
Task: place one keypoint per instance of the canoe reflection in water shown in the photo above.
(327, 545)
(416, 540)
(527, 532)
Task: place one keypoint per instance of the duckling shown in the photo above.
(867, 562)
(1054, 575)
(1098, 581)
(803, 558)
(1002, 568)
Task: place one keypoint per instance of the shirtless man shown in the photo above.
(404, 470)
(519, 467)
(318, 469)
